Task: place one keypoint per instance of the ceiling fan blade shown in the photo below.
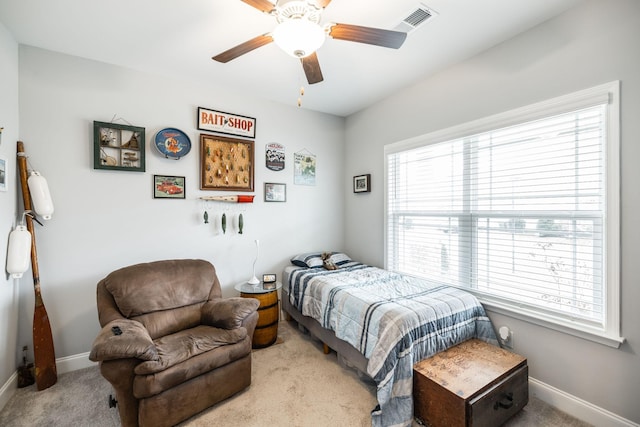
(375, 36)
(323, 3)
(311, 68)
(243, 48)
(262, 5)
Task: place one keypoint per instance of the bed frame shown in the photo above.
(347, 354)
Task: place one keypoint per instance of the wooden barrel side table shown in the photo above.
(266, 332)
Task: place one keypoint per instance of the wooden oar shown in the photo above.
(43, 351)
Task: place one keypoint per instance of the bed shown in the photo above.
(380, 322)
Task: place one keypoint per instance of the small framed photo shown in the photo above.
(268, 278)
(362, 183)
(274, 192)
(168, 187)
(3, 174)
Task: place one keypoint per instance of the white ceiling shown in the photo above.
(179, 37)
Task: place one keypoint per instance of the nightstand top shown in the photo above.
(260, 288)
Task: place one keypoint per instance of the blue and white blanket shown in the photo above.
(393, 320)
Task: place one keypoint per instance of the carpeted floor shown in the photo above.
(294, 384)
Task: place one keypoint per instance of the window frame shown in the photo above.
(609, 94)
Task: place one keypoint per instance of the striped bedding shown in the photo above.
(393, 320)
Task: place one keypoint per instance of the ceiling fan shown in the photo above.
(299, 33)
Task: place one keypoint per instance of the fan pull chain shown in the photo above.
(301, 95)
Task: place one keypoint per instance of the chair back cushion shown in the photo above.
(162, 285)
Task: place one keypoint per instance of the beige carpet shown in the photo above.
(294, 384)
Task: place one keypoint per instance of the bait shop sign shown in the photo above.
(231, 124)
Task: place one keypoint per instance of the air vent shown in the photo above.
(415, 18)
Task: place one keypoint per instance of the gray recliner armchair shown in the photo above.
(170, 345)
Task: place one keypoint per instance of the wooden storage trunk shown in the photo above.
(471, 384)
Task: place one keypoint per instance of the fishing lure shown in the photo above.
(224, 223)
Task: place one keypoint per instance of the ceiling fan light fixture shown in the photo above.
(299, 37)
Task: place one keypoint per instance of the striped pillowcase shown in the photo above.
(314, 259)
(340, 258)
(308, 260)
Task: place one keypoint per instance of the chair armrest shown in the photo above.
(134, 342)
(228, 313)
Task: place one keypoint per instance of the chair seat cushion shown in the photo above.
(176, 348)
(186, 361)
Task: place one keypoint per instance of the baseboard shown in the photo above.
(576, 407)
(63, 365)
(8, 389)
(73, 363)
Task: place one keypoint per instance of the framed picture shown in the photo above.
(3, 174)
(221, 122)
(268, 278)
(118, 147)
(168, 187)
(275, 192)
(226, 163)
(362, 183)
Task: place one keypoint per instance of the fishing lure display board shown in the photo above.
(226, 163)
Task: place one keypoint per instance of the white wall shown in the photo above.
(592, 44)
(8, 288)
(105, 220)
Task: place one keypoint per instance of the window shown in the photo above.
(520, 208)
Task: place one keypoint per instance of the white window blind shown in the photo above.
(516, 214)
